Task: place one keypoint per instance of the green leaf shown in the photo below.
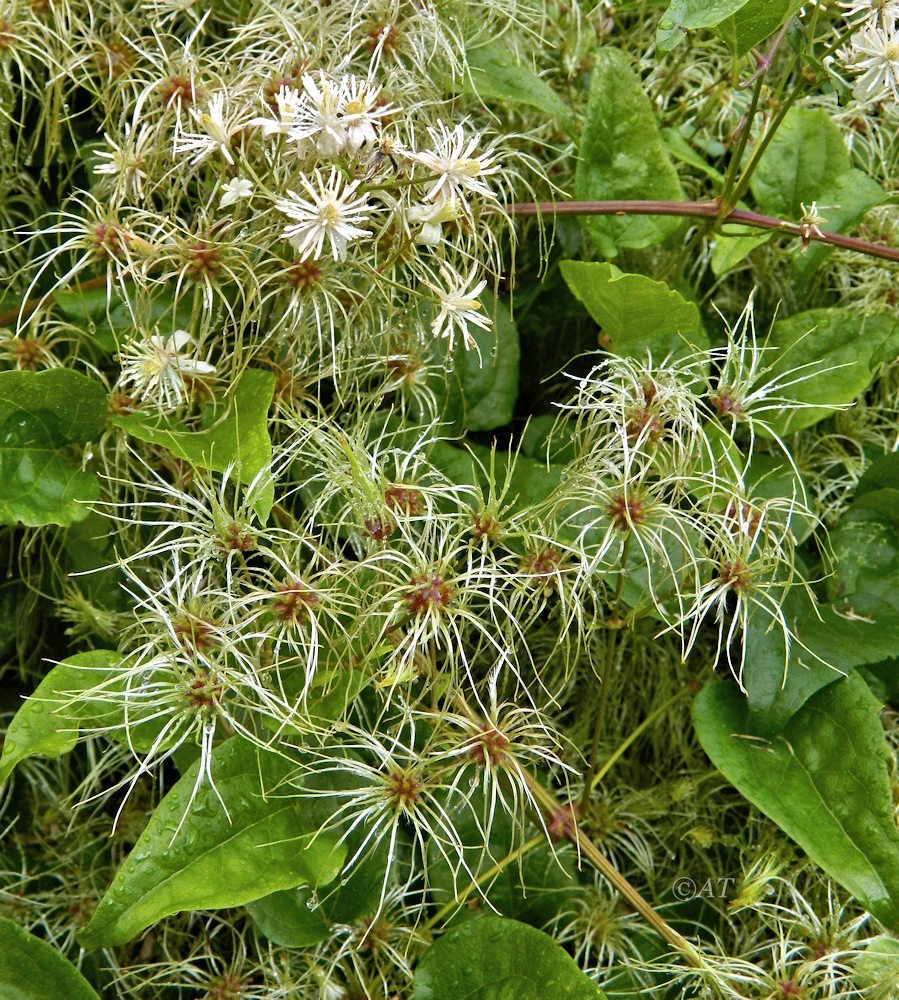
(881, 474)
(531, 482)
(807, 161)
(681, 150)
(297, 918)
(622, 156)
(40, 412)
(236, 432)
(835, 353)
(495, 73)
(683, 16)
(827, 646)
(483, 385)
(804, 160)
(287, 920)
(267, 846)
(755, 21)
(733, 245)
(492, 958)
(866, 545)
(824, 781)
(47, 724)
(109, 321)
(636, 313)
(877, 968)
(31, 969)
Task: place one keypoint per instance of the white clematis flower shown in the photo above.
(156, 367)
(331, 211)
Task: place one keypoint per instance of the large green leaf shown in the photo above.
(31, 969)
(683, 16)
(877, 968)
(805, 158)
(495, 73)
(755, 21)
(297, 918)
(622, 156)
(807, 161)
(825, 647)
(637, 314)
(236, 432)
(40, 413)
(881, 474)
(734, 244)
(266, 846)
(50, 721)
(492, 958)
(47, 724)
(834, 355)
(289, 918)
(824, 781)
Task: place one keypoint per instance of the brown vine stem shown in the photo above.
(551, 809)
(705, 210)
(601, 863)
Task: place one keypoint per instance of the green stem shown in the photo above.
(612, 760)
(742, 185)
(737, 157)
(606, 678)
(482, 879)
(547, 804)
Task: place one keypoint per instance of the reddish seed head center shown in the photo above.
(735, 574)
(727, 404)
(177, 88)
(491, 745)
(486, 526)
(428, 591)
(626, 510)
(204, 260)
(204, 692)
(193, 632)
(384, 35)
(293, 602)
(403, 789)
(404, 498)
(304, 275)
(379, 527)
(236, 538)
